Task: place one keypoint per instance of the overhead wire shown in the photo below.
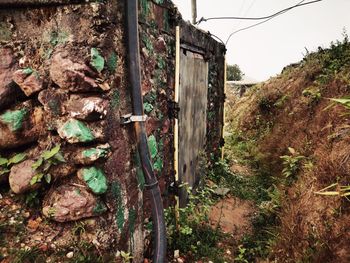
(301, 3)
(256, 18)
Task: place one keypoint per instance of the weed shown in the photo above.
(313, 93)
(28, 255)
(126, 256)
(291, 163)
(44, 163)
(193, 235)
(5, 164)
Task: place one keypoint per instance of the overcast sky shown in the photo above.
(263, 51)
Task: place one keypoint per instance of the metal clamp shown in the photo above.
(128, 118)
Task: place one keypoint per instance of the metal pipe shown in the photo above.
(159, 232)
(194, 11)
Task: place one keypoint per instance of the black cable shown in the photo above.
(266, 20)
(257, 18)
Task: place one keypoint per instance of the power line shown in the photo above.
(256, 18)
(301, 3)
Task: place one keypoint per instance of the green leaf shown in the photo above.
(38, 163)
(36, 178)
(47, 178)
(3, 161)
(59, 157)
(49, 154)
(4, 171)
(97, 61)
(17, 158)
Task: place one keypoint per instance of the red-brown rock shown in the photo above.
(20, 177)
(29, 83)
(87, 108)
(69, 74)
(70, 203)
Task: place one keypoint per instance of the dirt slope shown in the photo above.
(289, 116)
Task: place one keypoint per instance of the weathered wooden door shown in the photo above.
(193, 92)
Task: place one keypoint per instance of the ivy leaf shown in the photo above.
(16, 159)
(97, 61)
(36, 178)
(3, 161)
(38, 163)
(59, 157)
(49, 154)
(47, 178)
(4, 171)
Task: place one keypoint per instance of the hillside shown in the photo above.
(295, 138)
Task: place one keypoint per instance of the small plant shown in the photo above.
(44, 163)
(241, 255)
(291, 163)
(313, 93)
(126, 256)
(5, 164)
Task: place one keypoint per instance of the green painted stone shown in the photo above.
(158, 164)
(95, 153)
(14, 119)
(75, 130)
(97, 61)
(112, 61)
(152, 144)
(132, 220)
(95, 179)
(147, 107)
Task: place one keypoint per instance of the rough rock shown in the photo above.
(9, 91)
(70, 203)
(94, 178)
(62, 170)
(160, 45)
(20, 177)
(53, 100)
(71, 75)
(89, 155)
(88, 108)
(76, 131)
(28, 80)
(21, 126)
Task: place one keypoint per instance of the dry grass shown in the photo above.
(278, 115)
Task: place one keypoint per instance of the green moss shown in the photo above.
(117, 195)
(112, 61)
(99, 208)
(14, 119)
(115, 99)
(132, 220)
(144, 6)
(77, 129)
(95, 179)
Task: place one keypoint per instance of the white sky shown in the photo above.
(263, 51)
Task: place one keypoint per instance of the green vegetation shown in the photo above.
(46, 160)
(234, 72)
(192, 235)
(291, 163)
(5, 164)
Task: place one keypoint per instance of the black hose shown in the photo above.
(159, 233)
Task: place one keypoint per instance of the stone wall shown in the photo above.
(66, 158)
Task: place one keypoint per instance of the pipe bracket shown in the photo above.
(128, 118)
